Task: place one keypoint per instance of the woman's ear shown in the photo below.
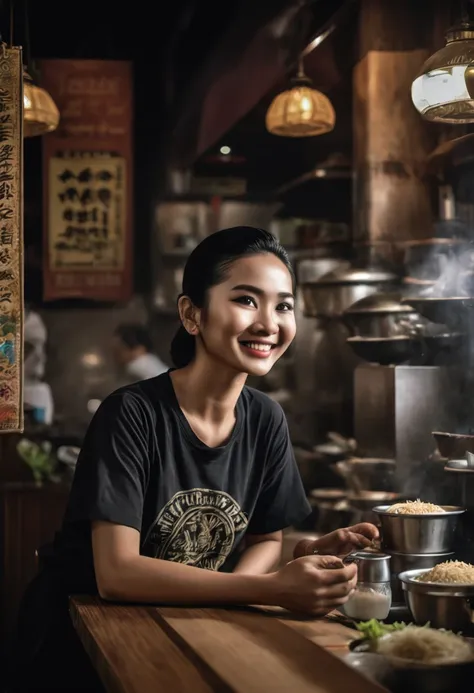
(190, 315)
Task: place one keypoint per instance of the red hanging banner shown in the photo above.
(88, 181)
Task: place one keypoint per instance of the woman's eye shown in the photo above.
(285, 307)
(246, 301)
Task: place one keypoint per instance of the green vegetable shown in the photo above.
(373, 629)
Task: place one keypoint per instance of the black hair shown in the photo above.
(133, 336)
(208, 265)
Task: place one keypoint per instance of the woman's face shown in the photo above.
(249, 321)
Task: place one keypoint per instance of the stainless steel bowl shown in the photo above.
(401, 562)
(442, 605)
(401, 675)
(418, 533)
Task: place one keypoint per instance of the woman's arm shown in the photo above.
(340, 542)
(123, 575)
(312, 585)
(261, 555)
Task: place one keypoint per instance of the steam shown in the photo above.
(455, 273)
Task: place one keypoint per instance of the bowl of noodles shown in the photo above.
(442, 595)
(418, 527)
(409, 657)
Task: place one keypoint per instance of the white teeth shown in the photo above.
(259, 347)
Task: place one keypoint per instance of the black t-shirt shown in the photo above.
(141, 465)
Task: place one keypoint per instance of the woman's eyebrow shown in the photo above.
(260, 292)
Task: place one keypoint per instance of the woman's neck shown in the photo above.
(208, 392)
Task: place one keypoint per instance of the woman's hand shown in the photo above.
(344, 541)
(314, 585)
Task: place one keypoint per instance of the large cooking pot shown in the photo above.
(456, 312)
(417, 350)
(331, 295)
(381, 315)
(385, 351)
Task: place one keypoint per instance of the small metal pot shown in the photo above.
(442, 605)
(371, 567)
(431, 533)
(331, 295)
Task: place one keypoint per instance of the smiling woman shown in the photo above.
(185, 481)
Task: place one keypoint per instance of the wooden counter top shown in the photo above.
(145, 649)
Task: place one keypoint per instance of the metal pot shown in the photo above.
(331, 295)
(455, 312)
(368, 474)
(462, 491)
(381, 315)
(431, 533)
(401, 562)
(453, 446)
(442, 605)
(327, 495)
(329, 516)
(363, 502)
(315, 471)
(385, 351)
(309, 270)
(427, 259)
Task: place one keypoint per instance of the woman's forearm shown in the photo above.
(304, 547)
(144, 579)
(260, 558)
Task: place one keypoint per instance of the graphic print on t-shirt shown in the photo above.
(196, 527)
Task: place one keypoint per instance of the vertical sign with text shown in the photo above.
(11, 240)
(88, 181)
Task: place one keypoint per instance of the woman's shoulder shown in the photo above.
(260, 403)
(144, 394)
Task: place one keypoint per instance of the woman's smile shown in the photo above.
(257, 349)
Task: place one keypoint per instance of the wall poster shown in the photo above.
(88, 181)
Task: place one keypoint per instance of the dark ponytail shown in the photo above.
(183, 348)
(209, 264)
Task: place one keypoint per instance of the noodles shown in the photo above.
(417, 507)
(450, 573)
(425, 646)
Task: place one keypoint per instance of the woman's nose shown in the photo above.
(266, 324)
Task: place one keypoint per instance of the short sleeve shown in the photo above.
(282, 500)
(112, 471)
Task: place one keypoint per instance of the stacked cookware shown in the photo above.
(416, 541)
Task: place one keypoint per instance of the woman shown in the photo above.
(186, 481)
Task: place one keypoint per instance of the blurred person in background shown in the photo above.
(133, 352)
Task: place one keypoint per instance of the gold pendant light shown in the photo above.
(40, 114)
(443, 91)
(300, 111)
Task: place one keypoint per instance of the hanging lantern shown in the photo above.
(40, 113)
(301, 111)
(443, 91)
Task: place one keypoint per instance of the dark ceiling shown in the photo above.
(186, 55)
(200, 66)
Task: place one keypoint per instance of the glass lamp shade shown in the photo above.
(40, 114)
(443, 91)
(300, 112)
